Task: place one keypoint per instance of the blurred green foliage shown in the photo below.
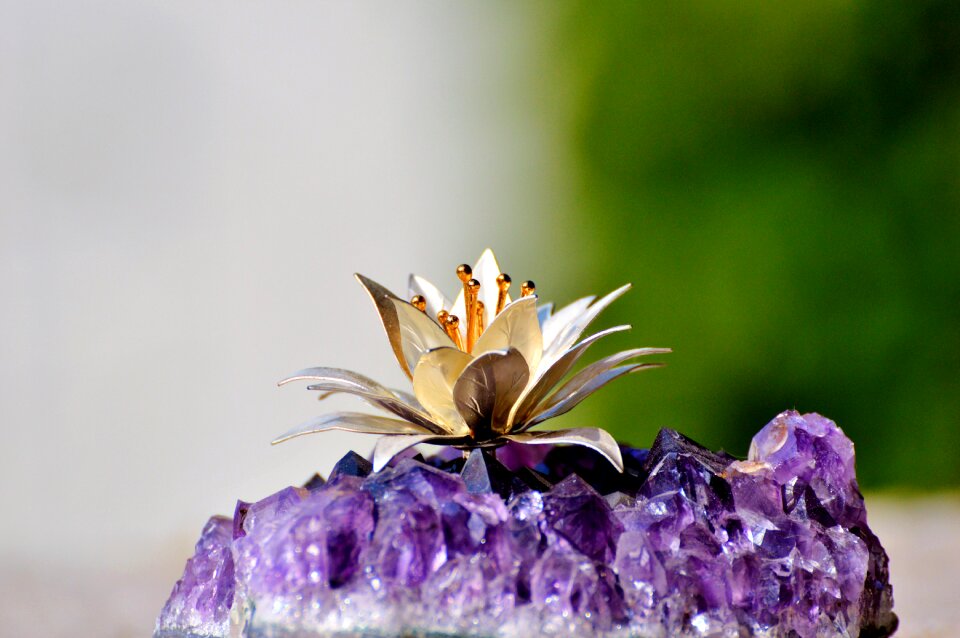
(781, 183)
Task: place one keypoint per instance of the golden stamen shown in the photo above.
(527, 288)
(503, 284)
(480, 327)
(452, 326)
(471, 289)
(419, 302)
(464, 272)
(442, 317)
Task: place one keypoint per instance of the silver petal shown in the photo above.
(333, 380)
(569, 396)
(554, 373)
(436, 300)
(515, 327)
(573, 331)
(348, 378)
(352, 422)
(408, 397)
(389, 446)
(543, 312)
(394, 405)
(597, 368)
(593, 438)
(487, 390)
(560, 320)
(411, 332)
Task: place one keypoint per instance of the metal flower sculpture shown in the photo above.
(485, 369)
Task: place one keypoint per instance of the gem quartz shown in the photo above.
(685, 542)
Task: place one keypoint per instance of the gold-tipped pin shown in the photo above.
(442, 318)
(471, 291)
(527, 288)
(503, 285)
(452, 326)
(419, 302)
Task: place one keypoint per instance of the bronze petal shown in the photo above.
(487, 390)
(515, 327)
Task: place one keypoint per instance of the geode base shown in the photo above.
(553, 542)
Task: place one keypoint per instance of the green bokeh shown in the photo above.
(781, 182)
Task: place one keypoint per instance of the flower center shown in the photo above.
(466, 337)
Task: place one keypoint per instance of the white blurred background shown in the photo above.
(185, 191)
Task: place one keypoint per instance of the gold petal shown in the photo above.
(515, 327)
(593, 438)
(411, 333)
(487, 390)
(560, 320)
(418, 334)
(569, 396)
(436, 300)
(551, 373)
(433, 382)
(389, 446)
(383, 300)
(352, 422)
(569, 336)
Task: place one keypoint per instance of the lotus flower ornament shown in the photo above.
(485, 368)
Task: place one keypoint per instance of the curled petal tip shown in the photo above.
(290, 379)
(646, 366)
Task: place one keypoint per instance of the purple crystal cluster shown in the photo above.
(554, 542)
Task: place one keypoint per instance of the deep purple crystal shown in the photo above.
(686, 542)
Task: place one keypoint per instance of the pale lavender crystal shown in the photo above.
(201, 600)
(686, 542)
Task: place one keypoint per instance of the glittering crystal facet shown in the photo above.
(686, 542)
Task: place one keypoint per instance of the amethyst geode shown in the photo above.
(686, 542)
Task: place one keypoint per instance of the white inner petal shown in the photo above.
(486, 272)
(436, 300)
